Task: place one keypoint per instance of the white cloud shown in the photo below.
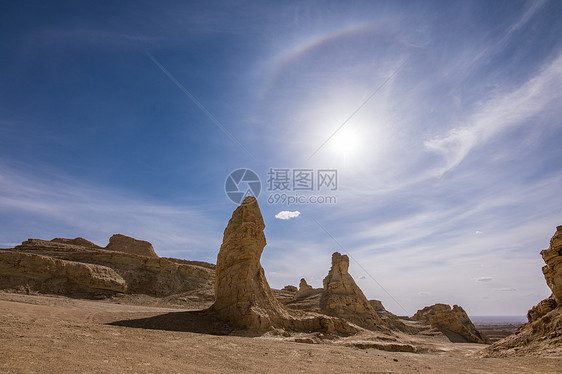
(478, 232)
(285, 214)
(484, 279)
(499, 113)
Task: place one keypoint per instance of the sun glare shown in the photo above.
(346, 142)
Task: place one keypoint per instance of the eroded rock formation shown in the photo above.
(553, 269)
(80, 268)
(455, 320)
(243, 297)
(390, 319)
(343, 298)
(123, 243)
(306, 290)
(27, 272)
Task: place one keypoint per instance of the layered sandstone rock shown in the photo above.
(243, 297)
(27, 272)
(123, 243)
(291, 289)
(153, 276)
(76, 241)
(343, 298)
(306, 290)
(553, 269)
(543, 333)
(390, 319)
(542, 308)
(455, 320)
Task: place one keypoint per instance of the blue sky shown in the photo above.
(448, 164)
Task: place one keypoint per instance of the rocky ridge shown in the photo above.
(79, 268)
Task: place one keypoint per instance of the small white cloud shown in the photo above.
(484, 279)
(506, 289)
(424, 293)
(362, 277)
(285, 214)
(478, 232)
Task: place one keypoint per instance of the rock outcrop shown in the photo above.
(541, 309)
(26, 272)
(76, 241)
(243, 297)
(306, 290)
(390, 319)
(153, 276)
(123, 243)
(343, 298)
(454, 320)
(553, 269)
(291, 289)
(543, 333)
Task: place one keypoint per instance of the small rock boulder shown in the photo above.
(130, 245)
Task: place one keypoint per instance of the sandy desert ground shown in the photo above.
(48, 334)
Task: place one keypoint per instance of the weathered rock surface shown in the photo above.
(553, 269)
(543, 333)
(542, 308)
(77, 241)
(306, 290)
(390, 319)
(455, 320)
(343, 298)
(130, 245)
(152, 276)
(243, 297)
(25, 272)
(291, 289)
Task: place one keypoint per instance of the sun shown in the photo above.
(346, 142)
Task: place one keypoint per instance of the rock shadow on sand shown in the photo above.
(197, 321)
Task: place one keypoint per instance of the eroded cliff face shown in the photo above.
(80, 268)
(343, 298)
(553, 269)
(243, 297)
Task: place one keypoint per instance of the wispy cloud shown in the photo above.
(502, 111)
(484, 279)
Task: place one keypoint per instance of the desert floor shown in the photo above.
(53, 334)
